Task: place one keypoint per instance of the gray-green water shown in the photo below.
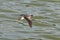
(46, 20)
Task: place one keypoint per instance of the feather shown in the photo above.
(29, 21)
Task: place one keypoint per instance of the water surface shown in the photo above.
(46, 20)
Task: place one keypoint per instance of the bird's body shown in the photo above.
(26, 17)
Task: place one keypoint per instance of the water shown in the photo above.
(46, 20)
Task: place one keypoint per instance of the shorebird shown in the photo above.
(27, 18)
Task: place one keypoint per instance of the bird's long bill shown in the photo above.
(29, 22)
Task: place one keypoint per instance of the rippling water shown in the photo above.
(46, 20)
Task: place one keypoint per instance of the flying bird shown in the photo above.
(27, 17)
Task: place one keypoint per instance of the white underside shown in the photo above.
(22, 18)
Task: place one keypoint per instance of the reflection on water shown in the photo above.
(46, 20)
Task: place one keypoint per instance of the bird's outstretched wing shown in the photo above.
(29, 21)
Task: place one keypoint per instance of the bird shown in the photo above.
(27, 17)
